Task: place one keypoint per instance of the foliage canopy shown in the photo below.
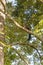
(27, 13)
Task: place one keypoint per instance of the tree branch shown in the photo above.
(23, 28)
(3, 4)
(18, 25)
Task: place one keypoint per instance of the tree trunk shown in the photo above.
(2, 19)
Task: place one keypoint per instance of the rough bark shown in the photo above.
(2, 19)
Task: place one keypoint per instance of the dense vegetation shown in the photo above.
(26, 40)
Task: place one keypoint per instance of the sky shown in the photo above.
(14, 2)
(10, 0)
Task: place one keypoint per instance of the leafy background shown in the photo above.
(27, 13)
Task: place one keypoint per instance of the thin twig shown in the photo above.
(22, 57)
